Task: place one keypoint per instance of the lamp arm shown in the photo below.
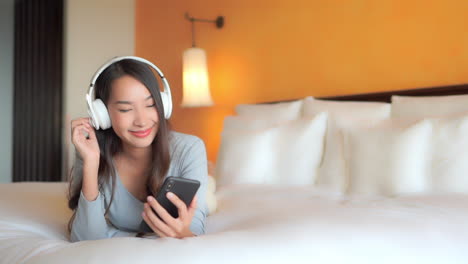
(219, 21)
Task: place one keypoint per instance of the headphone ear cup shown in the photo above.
(91, 114)
(165, 103)
(101, 114)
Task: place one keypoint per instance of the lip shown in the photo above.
(141, 133)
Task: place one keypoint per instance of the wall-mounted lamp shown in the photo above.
(196, 85)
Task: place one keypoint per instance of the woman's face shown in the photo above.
(133, 112)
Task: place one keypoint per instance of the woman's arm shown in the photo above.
(89, 222)
(90, 188)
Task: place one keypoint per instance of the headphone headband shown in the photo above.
(116, 59)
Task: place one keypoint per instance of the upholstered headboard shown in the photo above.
(386, 96)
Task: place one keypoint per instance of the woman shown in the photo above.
(118, 170)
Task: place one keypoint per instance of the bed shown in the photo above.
(400, 202)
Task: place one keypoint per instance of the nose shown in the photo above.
(140, 119)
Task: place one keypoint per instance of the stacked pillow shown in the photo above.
(449, 156)
(422, 148)
(414, 145)
(448, 165)
(388, 158)
(332, 172)
(271, 146)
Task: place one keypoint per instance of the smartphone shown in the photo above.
(183, 188)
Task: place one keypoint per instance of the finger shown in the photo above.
(78, 121)
(75, 122)
(75, 125)
(165, 216)
(151, 225)
(181, 207)
(82, 129)
(84, 126)
(86, 121)
(77, 132)
(91, 132)
(157, 223)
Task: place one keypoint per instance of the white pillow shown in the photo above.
(449, 164)
(390, 158)
(276, 111)
(428, 106)
(243, 123)
(287, 154)
(342, 111)
(332, 173)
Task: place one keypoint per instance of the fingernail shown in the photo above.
(170, 195)
(149, 198)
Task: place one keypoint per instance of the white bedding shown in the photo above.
(253, 224)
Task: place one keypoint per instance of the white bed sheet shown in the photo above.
(253, 224)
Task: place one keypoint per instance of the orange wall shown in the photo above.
(274, 49)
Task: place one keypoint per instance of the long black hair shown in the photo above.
(110, 144)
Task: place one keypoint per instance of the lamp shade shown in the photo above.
(195, 80)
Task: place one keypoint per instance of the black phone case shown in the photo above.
(185, 189)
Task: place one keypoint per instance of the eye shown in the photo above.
(124, 110)
(153, 105)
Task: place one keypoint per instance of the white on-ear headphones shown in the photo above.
(97, 110)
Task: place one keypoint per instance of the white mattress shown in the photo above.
(253, 224)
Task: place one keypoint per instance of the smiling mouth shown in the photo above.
(141, 133)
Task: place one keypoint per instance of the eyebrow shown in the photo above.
(128, 102)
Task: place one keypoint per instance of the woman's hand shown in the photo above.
(88, 147)
(169, 226)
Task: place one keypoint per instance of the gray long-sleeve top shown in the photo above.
(188, 160)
